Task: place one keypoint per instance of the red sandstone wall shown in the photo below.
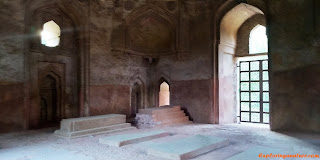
(107, 99)
(195, 96)
(12, 107)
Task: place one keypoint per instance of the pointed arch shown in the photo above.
(258, 40)
(50, 94)
(163, 90)
(138, 82)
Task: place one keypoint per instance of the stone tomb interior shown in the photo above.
(73, 72)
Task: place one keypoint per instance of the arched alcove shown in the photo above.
(138, 94)
(50, 100)
(136, 98)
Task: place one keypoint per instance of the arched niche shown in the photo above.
(151, 31)
(138, 94)
(51, 108)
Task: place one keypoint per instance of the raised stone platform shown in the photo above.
(125, 139)
(84, 126)
(187, 148)
(161, 116)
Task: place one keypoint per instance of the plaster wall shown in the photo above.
(294, 52)
(11, 66)
(194, 98)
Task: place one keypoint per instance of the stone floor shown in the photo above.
(43, 145)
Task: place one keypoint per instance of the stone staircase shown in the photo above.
(161, 116)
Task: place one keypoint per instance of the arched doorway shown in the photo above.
(136, 102)
(50, 100)
(226, 107)
(164, 94)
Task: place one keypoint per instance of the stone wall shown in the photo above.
(108, 99)
(195, 99)
(295, 64)
(11, 66)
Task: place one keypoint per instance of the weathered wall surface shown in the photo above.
(108, 68)
(295, 64)
(153, 40)
(191, 72)
(11, 40)
(194, 97)
(107, 99)
(11, 66)
(12, 108)
(106, 65)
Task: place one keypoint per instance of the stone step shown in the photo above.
(175, 121)
(95, 131)
(167, 110)
(167, 113)
(163, 117)
(156, 110)
(187, 148)
(125, 139)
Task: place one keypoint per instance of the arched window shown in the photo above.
(258, 42)
(50, 35)
(164, 94)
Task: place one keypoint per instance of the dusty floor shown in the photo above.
(43, 145)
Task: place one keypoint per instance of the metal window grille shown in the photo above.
(254, 91)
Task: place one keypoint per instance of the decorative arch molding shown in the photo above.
(151, 7)
(227, 6)
(78, 16)
(150, 31)
(50, 71)
(138, 79)
(163, 77)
